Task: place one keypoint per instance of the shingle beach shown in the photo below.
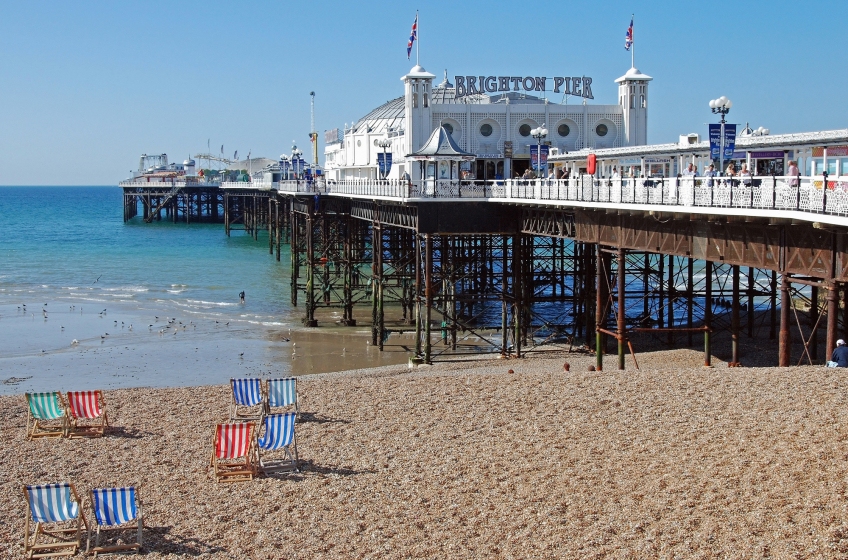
(466, 460)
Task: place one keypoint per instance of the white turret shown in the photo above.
(188, 165)
(417, 85)
(633, 98)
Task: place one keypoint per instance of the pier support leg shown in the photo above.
(708, 312)
(601, 296)
(504, 300)
(785, 341)
(309, 320)
(672, 293)
(734, 318)
(773, 306)
(620, 327)
(277, 223)
(751, 285)
(690, 297)
(832, 310)
(814, 319)
(418, 298)
(428, 293)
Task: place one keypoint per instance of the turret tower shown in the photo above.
(633, 98)
(417, 89)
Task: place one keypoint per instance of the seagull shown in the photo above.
(241, 355)
(63, 328)
(74, 341)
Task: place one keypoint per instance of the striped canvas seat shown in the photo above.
(233, 458)
(114, 508)
(46, 415)
(86, 410)
(282, 393)
(55, 510)
(247, 394)
(278, 436)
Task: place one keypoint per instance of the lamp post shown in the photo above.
(284, 167)
(296, 162)
(384, 143)
(721, 106)
(538, 134)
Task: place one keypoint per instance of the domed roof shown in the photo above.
(387, 116)
(633, 74)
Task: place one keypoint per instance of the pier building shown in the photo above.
(490, 117)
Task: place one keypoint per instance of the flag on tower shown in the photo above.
(628, 38)
(412, 37)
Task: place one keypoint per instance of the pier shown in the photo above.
(579, 261)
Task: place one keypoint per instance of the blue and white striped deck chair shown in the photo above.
(281, 393)
(55, 510)
(46, 415)
(247, 395)
(116, 509)
(278, 436)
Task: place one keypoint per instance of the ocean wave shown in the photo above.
(212, 303)
(175, 291)
(126, 289)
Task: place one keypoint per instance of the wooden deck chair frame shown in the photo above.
(243, 412)
(61, 531)
(135, 523)
(35, 427)
(270, 392)
(269, 461)
(87, 425)
(241, 468)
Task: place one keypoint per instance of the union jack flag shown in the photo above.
(628, 38)
(412, 37)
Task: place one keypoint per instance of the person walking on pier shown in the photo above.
(793, 173)
(840, 354)
(710, 173)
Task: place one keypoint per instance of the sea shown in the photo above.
(88, 301)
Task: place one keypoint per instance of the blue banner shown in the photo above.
(715, 141)
(384, 162)
(535, 162)
(729, 140)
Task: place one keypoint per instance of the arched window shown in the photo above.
(414, 100)
(644, 102)
(426, 100)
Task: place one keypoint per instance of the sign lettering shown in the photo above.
(580, 86)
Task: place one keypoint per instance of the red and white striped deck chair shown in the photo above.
(234, 456)
(87, 414)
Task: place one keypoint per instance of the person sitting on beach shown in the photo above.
(840, 354)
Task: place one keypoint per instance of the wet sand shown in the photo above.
(76, 347)
(467, 460)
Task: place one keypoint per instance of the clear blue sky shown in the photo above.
(87, 86)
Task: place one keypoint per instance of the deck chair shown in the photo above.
(282, 393)
(116, 509)
(233, 459)
(278, 435)
(87, 414)
(247, 395)
(55, 510)
(46, 416)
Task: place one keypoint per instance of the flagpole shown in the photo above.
(417, 38)
(633, 44)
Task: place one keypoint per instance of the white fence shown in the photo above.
(806, 194)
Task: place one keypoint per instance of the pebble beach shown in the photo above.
(468, 460)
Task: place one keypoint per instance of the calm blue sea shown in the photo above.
(70, 243)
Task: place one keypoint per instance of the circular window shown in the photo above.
(486, 129)
(524, 130)
(359, 142)
(563, 130)
(601, 130)
(448, 127)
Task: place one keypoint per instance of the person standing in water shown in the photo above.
(241, 297)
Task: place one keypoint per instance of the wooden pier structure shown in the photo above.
(583, 261)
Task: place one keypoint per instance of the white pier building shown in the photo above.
(490, 117)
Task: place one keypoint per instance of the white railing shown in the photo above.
(252, 185)
(805, 194)
(168, 183)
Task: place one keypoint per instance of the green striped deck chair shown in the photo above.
(46, 415)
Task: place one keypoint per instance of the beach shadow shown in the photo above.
(319, 419)
(308, 467)
(160, 540)
(123, 432)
